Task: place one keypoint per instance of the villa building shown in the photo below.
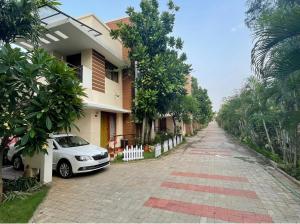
(102, 67)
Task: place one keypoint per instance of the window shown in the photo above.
(111, 72)
(70, 141)
(74, 61)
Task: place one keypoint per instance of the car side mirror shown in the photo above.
(54, 146)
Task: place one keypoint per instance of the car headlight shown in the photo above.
(83, 158)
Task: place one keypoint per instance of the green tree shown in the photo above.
(39, 94)
(20, 19)
(203, 114)
(153, 52)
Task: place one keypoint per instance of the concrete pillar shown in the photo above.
(42, 162)
(46, 166)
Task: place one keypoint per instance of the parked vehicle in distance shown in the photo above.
(71, 154)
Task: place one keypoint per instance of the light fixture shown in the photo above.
(61, 34)
(50, 36)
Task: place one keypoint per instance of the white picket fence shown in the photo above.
(137, 152)
(167, 145)
(133, 153)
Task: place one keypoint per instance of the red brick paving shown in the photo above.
(211, 189)
(224, 214)
(210, 176)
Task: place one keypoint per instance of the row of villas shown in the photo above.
(85, 44)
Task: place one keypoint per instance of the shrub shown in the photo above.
(21, 184)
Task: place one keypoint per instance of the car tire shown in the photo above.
(64, 169)
(17, 163)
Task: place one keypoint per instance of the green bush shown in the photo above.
(20, 184)
(291, 170)
(161, 137)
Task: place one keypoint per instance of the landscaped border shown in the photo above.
(270, 161)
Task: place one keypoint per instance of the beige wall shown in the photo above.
(112, 96)
(86, 58)
(113, 91)
(115, 46)
(89, 126)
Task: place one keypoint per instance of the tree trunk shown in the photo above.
(143, 130)
(1, 182)
(174, 123)
(149, 131)
(268, 137)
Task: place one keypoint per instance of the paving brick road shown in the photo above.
(210, 179)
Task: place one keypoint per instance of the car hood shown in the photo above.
(86, 150)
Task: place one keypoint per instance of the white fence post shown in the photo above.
(157, 150)
(170, 143)
(125, 153)
(166, 146)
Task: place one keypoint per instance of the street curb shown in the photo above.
(274, 164)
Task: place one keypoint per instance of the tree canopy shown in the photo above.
(265, 113)
(155, 55)
(39, 94)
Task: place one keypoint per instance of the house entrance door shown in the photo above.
(108, 128)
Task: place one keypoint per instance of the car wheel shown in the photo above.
(17, 163)
(64, 169)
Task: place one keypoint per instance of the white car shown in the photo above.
(71, 154)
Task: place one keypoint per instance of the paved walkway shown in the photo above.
(210, 179)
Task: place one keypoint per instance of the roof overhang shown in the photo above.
(68, 36)
(105, 107)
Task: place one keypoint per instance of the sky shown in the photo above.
(216, 41)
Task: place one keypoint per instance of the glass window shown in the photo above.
(70, 141)
(111, 71)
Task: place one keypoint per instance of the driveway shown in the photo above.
(210, 179)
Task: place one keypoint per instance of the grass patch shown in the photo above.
(149, 155)
(21, 210)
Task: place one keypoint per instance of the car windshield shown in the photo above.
(70, 141)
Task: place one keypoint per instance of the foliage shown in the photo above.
(202, 113)
(266, 112)
(20, 19)
(154, 54)
(39, 95)
(21, 184)
(160, 137)
(21, 210)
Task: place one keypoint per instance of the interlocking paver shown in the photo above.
(118, 194)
